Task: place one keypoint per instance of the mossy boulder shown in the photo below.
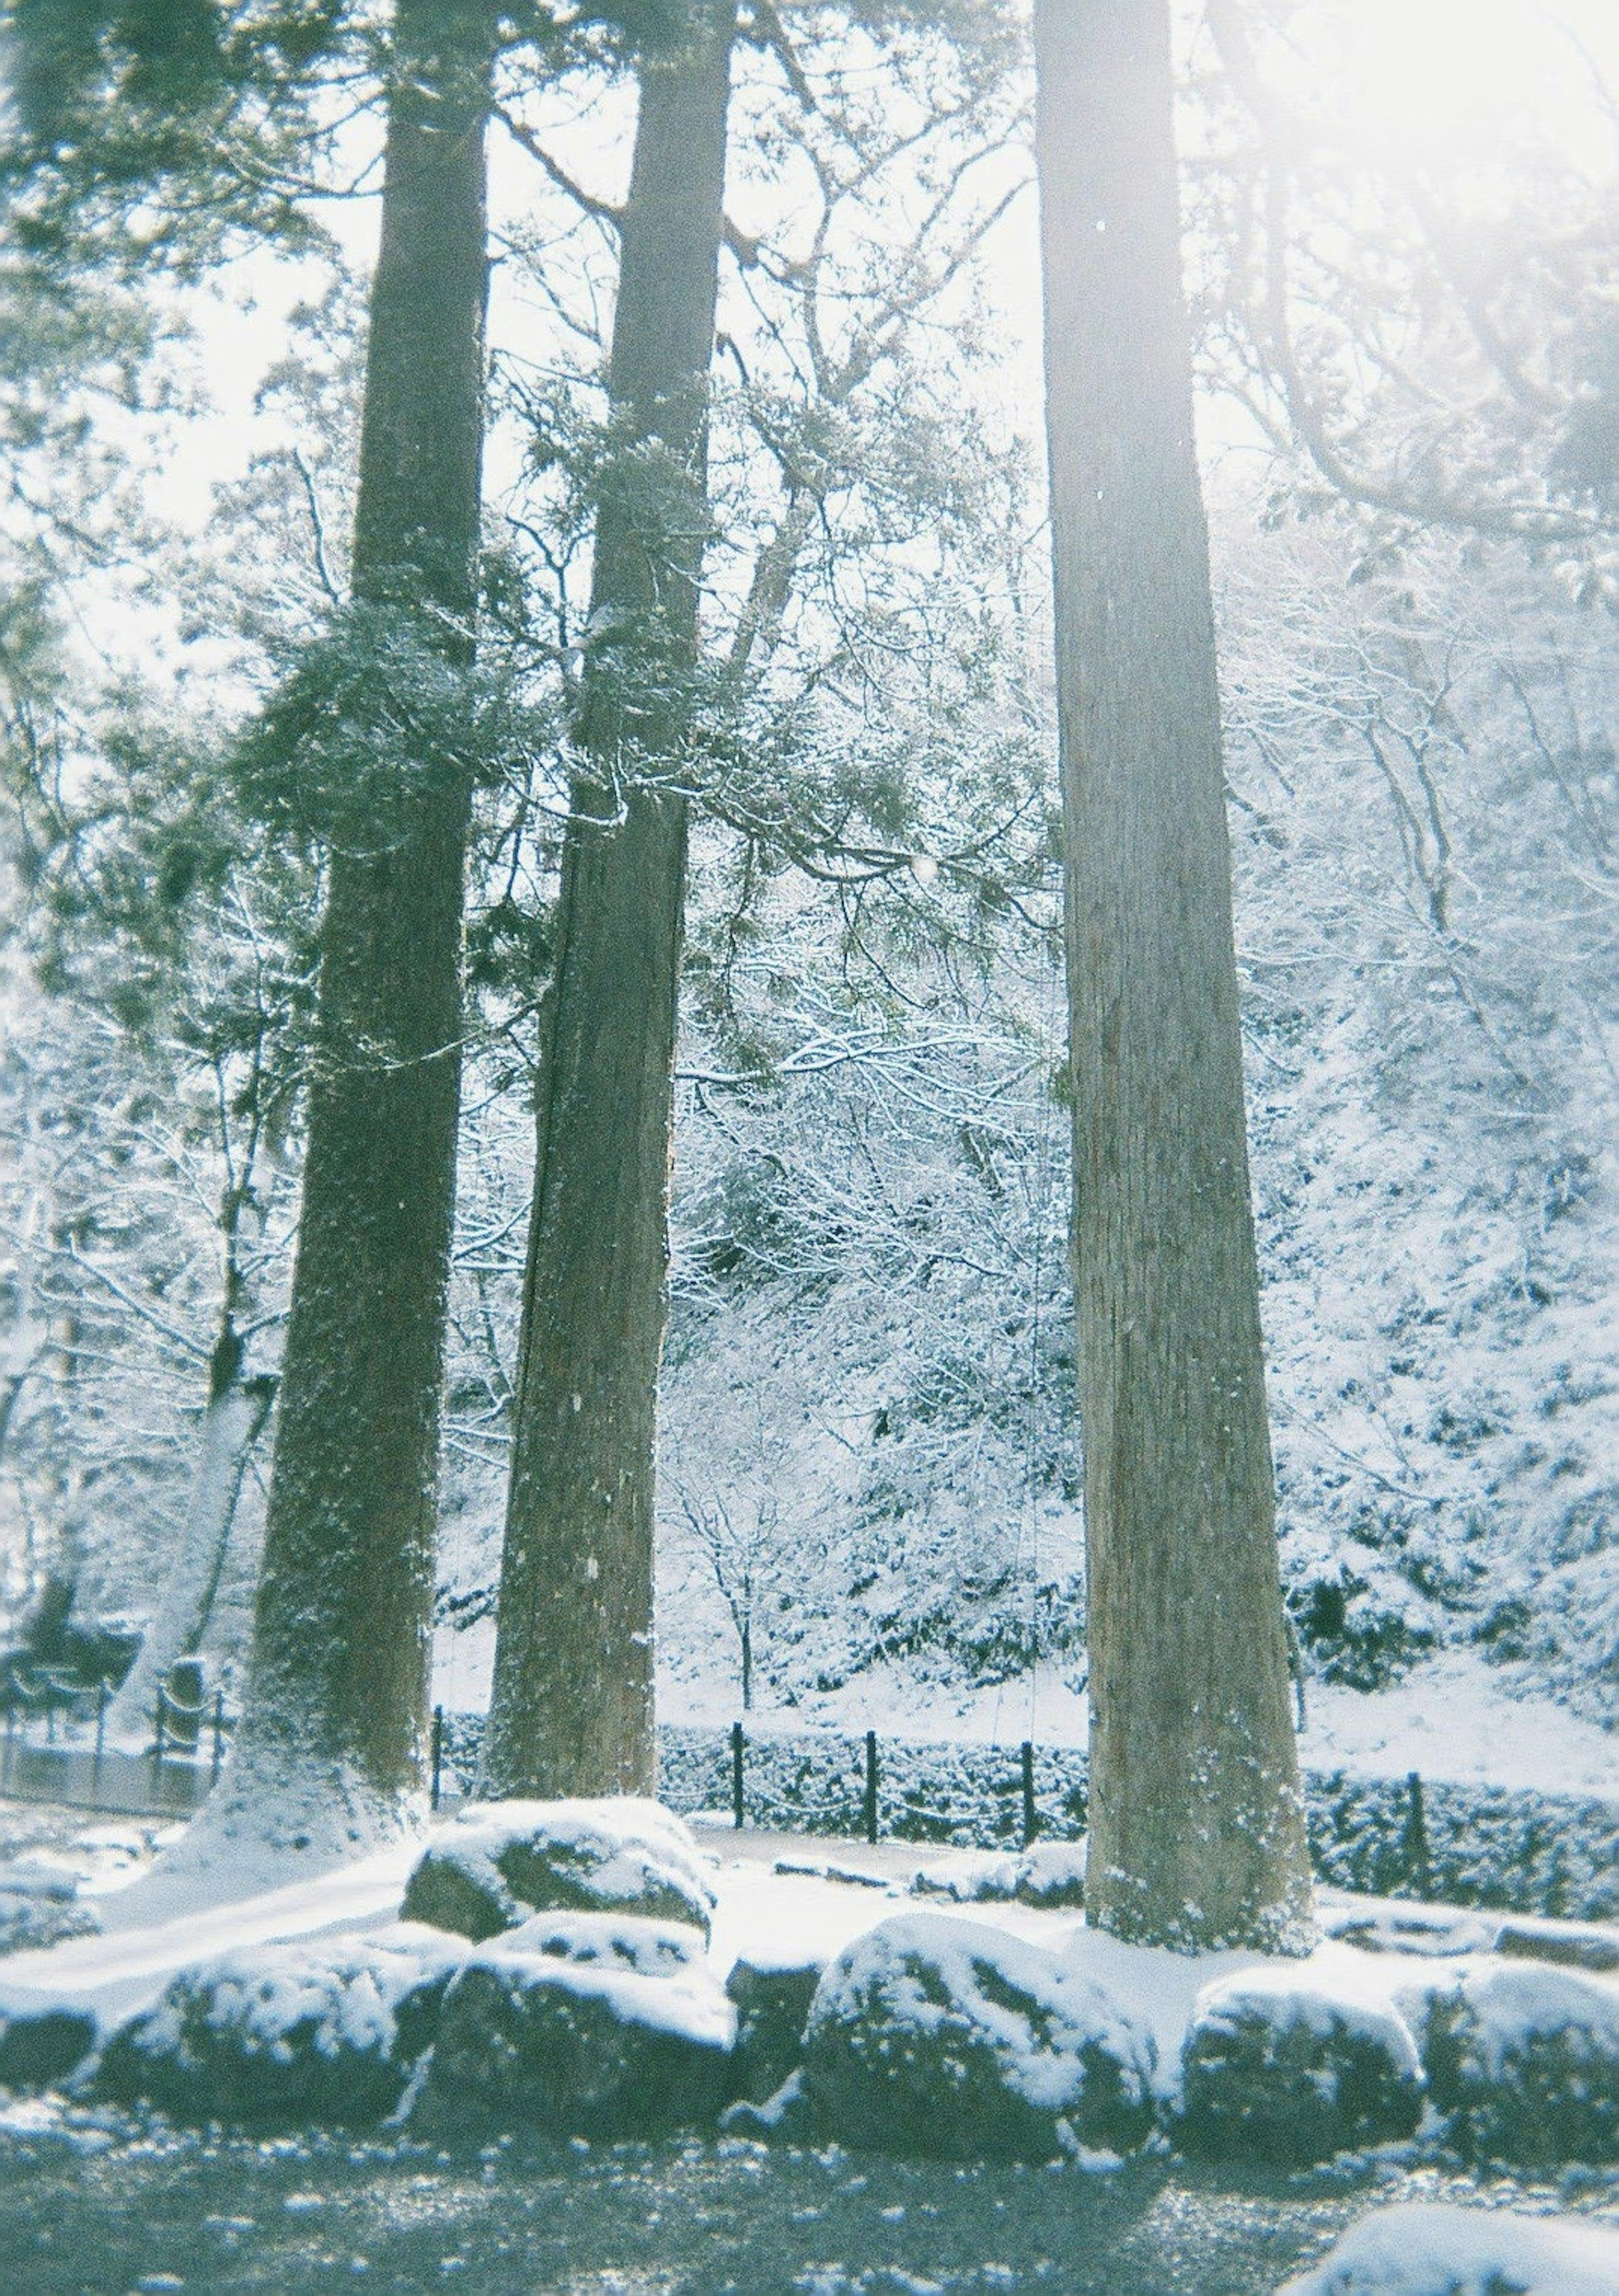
(1284, 2068)
(42, 2046)
(1525, 2060)
(321, 2031)
(937, 2035)
(575, 2047)
(773, 2005)
(499, 1863)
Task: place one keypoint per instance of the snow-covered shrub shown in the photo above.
(1354, 1637)
(773, 2005)
(1525, 2058)
(39, 2047)
(576, 2047)
(932, 2034)
(281, 2036)
(1428, 2248)
(1287, 2067)
(499, 1862)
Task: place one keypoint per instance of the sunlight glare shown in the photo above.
(1435, 80)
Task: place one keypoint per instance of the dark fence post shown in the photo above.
(737, 1810)
(218, 1731)
(1419, 1866)
(160, 1733)
(870, 1785)
(437, 1752)
(1031, 1815)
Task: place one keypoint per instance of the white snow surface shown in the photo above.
(688, 2001)
(116, 1975)
(622, 1941)
(1041, 2060)
(1430, 2248)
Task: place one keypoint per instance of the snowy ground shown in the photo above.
(91, 2203)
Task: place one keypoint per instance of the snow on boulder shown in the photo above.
(499, 1862)
(576, 2047)
(1288, 2066)
(773, 2005)
(41, 2046)
(1429, 2248)
(622, 1941)
(324, 2031)
(1525, 2058)
(1051, 1874)
(935, 2035)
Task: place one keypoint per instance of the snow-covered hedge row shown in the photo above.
(1516, 1852)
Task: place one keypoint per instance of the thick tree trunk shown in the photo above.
(1196, 1825)
(332, 1735)
(572, 1709)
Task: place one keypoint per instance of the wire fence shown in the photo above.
(1433, 1839)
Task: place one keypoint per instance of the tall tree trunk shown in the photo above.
(231, 1423)
(572, 1709)
(332, 1741)
(1196, 1824)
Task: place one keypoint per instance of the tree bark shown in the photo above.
(572, 1708)
(232, 1425)
(332, 1735)
(1197, 1823)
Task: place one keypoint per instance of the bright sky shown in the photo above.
(1427, 80)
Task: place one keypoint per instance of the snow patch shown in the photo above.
(1426, 2247)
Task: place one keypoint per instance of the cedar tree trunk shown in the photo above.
(1196, 1824)
(572, 1711)
(332, 1735)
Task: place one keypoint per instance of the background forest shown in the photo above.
(869, 1476)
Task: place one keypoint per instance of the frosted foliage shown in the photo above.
(111, 1285)
(1423, 771)
(1430, 2249)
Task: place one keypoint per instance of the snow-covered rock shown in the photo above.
(577, 2046)
(937, 2035)
(773, 2005)
(1431, 2249)
(41, 2047)
(499, 1862)
(1526, 2059)
(1290, 2066)
(40, 1906)
(612, 1941)
(1051, 1874)
(323, 2031)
